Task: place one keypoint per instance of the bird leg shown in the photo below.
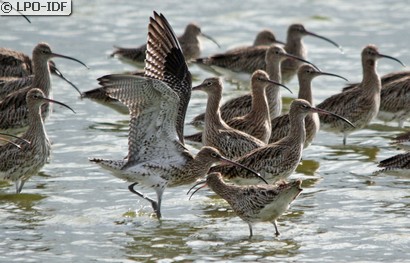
(276, 228)
(19, 185)
(250, 230)
(154, 204)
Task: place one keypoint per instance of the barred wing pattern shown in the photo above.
(153, 108)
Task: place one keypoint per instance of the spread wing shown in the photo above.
(166, 62)
(153, 107)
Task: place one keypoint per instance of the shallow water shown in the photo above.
(76, 212)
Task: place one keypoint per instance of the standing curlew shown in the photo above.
(258, 121)
(13, 108)
(281, 125)
(394, 97)
(18, 165)
(278, 160)
(360, 105)
(156, 158)
(189, 41)
(230, 142)
(253, 58)
(255, 203)
(240, 106)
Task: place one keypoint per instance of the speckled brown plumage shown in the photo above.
(394, 97)
(156, 157)
(360, 105)
(257, 121)
(281, 125)
(278, 160)
(230, 142)
(18, 165)
(256, 203)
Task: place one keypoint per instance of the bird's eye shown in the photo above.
(214, 155)
(209, 83)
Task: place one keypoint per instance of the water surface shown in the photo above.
(76, 212)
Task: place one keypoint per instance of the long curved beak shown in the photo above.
(60, 103)
(203, 182)
(55, 70)
(333, 114)
(392, 58)
(210, 38)
(334, 75)
(301, 59)
(326, 39)
(279, 84)
(70, 58)
(224, 160)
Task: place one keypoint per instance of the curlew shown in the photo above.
(253, 58)
(13, 108)
(394, 97)
(240, 106)
(230, 142)
(281, 125)
(277, 161)
(255, 203)
(360, 105)
(189, 41)
(258, 121)
(156, 158)
(18, 165)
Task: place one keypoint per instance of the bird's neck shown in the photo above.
(273, 91)
(213, 117)
(305, 91)
(41, 76)
(36, 130)
(371, 82)
(297, 131)
(260, 106)
(295, 47)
